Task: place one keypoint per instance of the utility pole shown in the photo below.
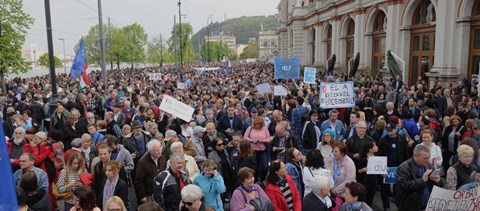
(180, 29)
(53, 78)
(110, 43)
(175, 39)
(64, 56)
(102, 44)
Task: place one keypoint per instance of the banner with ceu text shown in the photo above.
(287, 68)
(177, 108)
(444, 199)
(337, 95)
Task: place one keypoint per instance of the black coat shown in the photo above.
(145, 173)
(121, 190)
(457, 139)
(410, 186)
(312, 202)
(290, 141)
(385, 149)
(309, 135)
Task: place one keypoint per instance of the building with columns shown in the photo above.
(437, 39)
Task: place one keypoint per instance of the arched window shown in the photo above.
(424, 13)
(351, 28)
(380, 22)
(476, 9)
(329, 41)
(350, 41)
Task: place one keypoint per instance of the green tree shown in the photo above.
(187, 47)
(156, 51)
(251, 51)
(44, 61)
(216, 51)
(116, 49)
(136, 41)
(14, 23)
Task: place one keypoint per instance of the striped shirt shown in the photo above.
(287, 193)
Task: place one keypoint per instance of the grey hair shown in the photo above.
(320, 182)
(76, 111)
(191, 193)
(126, 126)
(420, 148)
(173, 147)
(177, 156)
(77, 142)
(152, 143)
(87, 136)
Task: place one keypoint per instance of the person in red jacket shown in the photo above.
(281, 188)
(17, 146)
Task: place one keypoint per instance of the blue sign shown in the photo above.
(391, 177)
(287, 68)
(309, 75)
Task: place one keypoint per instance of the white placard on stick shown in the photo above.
(337, 95)
(280, 91)
(181, 85)
(177, 108)
(377, 165)
(155, 76)
(263, 88)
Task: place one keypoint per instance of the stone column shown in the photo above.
(299, 41)
(444, 66)
(397, 39)
(336, 41)
(360, 39)
(319, 53)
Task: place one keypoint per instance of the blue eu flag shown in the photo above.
(8, 194)
(287, 68)
(79, 63)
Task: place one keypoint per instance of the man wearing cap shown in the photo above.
(395, 148)
(476, 131)
(197, 139)
(136, 141)
(118, 115)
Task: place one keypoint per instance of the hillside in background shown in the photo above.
(243, 28)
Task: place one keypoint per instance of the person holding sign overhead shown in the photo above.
(415, 180)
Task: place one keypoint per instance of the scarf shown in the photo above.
(336, 169)
(355, 206)
(109, 189)
(248, 190)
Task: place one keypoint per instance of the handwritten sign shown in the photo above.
(443, 199)
(177, 108)
(263, 88)
(377, 165)
(309, 75)
(337, 95)
(280, 91)
(391, 177)
(155, 76)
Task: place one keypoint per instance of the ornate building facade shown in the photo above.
(438, 39)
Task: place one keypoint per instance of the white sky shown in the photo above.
(71, 19)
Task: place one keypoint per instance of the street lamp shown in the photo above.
(180, 29)
(64, 56)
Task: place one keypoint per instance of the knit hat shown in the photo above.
(329, 131)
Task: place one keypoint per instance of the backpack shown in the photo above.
(58, 159)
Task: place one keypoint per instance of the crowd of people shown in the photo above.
(110, 146)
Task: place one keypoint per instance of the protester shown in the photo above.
(318, 198)
(69, 179)
(148, 167)
(37, 199)
(212, 184)
(259, 137)
(84, 200)
(113, 185)
(354, 197)
(114, 203)
(342, 169)
(281, 189)
(460, 173)
(192, 199)
(314, 167)
(247, 191)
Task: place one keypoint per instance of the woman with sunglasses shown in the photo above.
(192, 199)
(220, 156)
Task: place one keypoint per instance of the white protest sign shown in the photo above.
(377, 165)
(155, 76)
(181, 85)
(309, 75)
(177, 108)
(337, 95)
(443, 199)
(280, 91)
(263, 88)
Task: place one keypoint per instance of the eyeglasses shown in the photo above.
(188, 203)
(219, 144)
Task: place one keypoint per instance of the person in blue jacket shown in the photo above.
(212, 185)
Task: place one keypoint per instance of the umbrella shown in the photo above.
(393, 65)
(331, 64)
(354, 68)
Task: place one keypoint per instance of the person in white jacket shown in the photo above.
(191, 167)
(436, 158)
(314, 166)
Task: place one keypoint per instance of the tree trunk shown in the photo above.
(2, 77)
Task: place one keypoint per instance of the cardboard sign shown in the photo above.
(377, 165)
(337, 95)
(443, 199)
(177, 108)
(310, 74)
(391, 177)
(263, 88)
(280, 91)
(155, 76)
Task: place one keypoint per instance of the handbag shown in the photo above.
(64, 195)
(260, 203)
